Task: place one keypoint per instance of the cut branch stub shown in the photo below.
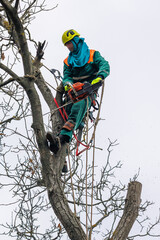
(39, 55)
(130, 213)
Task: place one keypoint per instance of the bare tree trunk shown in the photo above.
(62, 210)
(130, 211)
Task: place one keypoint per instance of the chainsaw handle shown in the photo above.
(70, 84)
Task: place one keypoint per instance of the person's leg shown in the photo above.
(78, 111)
(75, 117)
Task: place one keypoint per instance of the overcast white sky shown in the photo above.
(127, 34)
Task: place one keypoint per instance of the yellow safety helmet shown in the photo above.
(69, 35)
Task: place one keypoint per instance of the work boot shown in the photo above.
(55, 142)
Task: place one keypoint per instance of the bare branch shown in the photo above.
(7, 82)
(16, 4)
(9, 71)
(12, 13)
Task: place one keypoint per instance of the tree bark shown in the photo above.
(62, 210)
(130, 213)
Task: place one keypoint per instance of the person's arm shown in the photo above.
(102, 65)
(67, 75)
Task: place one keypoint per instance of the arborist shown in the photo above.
(81, 65)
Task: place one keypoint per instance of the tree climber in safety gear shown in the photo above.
(81, 65)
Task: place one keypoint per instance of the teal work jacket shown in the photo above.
(97, 66)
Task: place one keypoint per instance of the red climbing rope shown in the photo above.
(65, 117)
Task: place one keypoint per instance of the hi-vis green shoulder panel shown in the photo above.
(89, 61)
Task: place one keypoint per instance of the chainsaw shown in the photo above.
(81, 91)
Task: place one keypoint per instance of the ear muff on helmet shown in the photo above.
(69, 35)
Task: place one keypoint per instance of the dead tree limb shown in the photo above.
(130, 213)
(39, 54)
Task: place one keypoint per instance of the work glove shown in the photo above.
(96, 80)
(67, 87)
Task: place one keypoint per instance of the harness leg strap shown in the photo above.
(69, 125)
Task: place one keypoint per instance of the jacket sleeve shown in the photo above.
(67, 75)
(102, 65)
